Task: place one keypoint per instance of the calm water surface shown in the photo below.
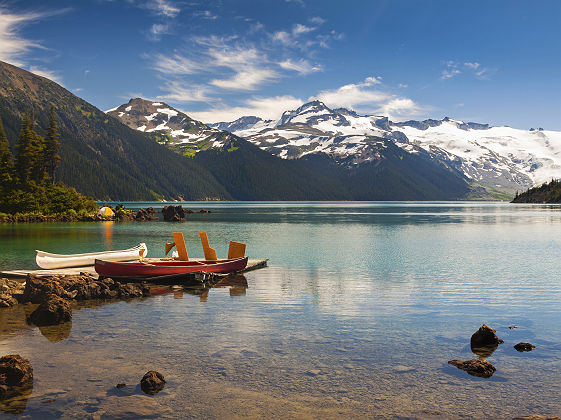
(360, 309)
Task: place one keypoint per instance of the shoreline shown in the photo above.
(169, 214)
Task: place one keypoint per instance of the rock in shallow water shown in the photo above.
(475, 367)
(524, 347)
(54, 310)
(485, 336)
(152, 382)
(15, 371)
(7, 300)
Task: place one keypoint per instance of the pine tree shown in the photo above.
(51, 156)
(29, 166)
(6, 162)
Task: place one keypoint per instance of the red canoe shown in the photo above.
(166, 268)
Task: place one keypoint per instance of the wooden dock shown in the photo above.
(252, 264)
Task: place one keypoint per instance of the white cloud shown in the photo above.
(176, 64)
(365, 97)
(301, 66)
(270, 108)
(454, 68)
(159, 29)
(301, 29)
(475, 65)
(368, 97)
(206, 14)
(449, 73)
(399, 108)
(352, 95)
(12, 45)
(249, 78)
(49, 74)
(163, 8)
(295, 38)
(317, 20)
(176, 91)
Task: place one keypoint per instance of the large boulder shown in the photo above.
(15, 371)
(52, 311)
(152, 382)
(475, 367)
(37, 289)
(485, 336)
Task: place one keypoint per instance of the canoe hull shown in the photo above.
(50, 261)
(167, 268)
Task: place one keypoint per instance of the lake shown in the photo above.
(359, 311)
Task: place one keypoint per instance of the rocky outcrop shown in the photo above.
(54, 310)
(131, 290)
(537, 417)
(146, 215)
(37, 289)
(524, 347)
(484, 337)
(152, 382)
(475, 367)
(15, 371)
(80, 287)
(7, 300)
(174, 213)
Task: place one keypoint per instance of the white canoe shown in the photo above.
(52, 261)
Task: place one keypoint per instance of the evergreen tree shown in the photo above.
(6, 162)
(51, 156)
(30, 166)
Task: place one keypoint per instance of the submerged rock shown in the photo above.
(485, 336)
(15, 371)
(54, 310)
(524, 347)
(152, 382)
(475, 367)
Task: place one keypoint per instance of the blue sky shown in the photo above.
(484, 61)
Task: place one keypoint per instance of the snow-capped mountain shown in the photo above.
(500, 158)
(170, 126)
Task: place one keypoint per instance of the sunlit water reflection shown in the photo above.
(360, 309)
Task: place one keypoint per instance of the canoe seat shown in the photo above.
(236, 250)
(210, 253)
(180, 245)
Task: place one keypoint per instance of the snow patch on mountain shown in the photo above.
(494, 156)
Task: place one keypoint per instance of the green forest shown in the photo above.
(28, 175)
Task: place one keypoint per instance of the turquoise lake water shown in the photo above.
(359, 311)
